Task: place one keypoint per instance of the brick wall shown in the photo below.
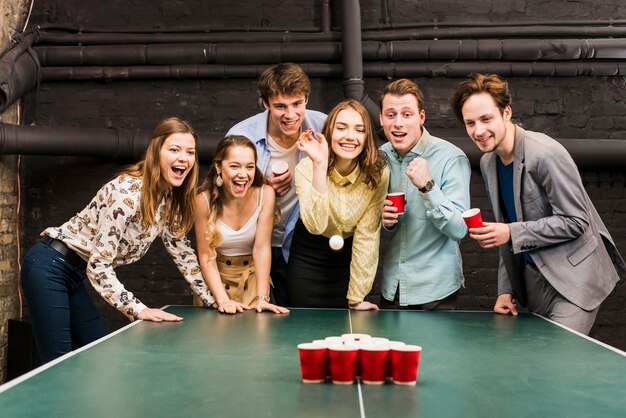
(12, 14)
(56, 188)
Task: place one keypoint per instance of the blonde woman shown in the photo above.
(341, 188)
(234, 217)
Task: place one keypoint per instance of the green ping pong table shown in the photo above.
(473, 364)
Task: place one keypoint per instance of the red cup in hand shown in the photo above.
(473, 218)
(279, 168)
(398, 200)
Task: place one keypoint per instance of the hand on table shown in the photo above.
(505, 304)
(230, 306)
(262, 305)
(157, 315)
(365, 306)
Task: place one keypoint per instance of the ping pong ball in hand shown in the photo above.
(336, 242)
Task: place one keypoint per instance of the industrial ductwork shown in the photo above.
(353, 83)
(19, 71)
(112, 143)
(129, 145)
(430, 50)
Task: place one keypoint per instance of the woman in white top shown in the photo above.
(234, 216)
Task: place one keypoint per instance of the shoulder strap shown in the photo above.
(260, 196)
(206, 199)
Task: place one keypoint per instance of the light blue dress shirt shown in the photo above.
(423, 259)
(255, 129)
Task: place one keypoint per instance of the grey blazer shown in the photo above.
(556, 223)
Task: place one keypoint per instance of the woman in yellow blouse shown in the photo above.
(341, 189)
(152, 198)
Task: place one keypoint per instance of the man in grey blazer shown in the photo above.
(556, 256)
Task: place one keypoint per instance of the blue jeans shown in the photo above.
(62, 312)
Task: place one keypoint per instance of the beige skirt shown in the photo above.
(238, 278)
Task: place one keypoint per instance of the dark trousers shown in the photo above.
(62, 312)
(448, 303)
(278, 273)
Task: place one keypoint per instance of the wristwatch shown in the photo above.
(427, 187)
(263, 297)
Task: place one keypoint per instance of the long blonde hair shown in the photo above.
(216, 194)
(180, 202)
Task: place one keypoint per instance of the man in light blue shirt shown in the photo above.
(422, 268)
(284, 91)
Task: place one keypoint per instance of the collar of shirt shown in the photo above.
(349, 179)
(419, 148)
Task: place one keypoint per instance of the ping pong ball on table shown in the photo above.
(336, 242)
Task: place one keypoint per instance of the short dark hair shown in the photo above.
(285, 78)
(476, 83)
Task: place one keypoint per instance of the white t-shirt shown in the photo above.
(288, 201)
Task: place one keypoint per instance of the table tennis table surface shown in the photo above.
(473, 364)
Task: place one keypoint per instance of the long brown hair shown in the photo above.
(180, 202)
(370, 160)
(216, 194)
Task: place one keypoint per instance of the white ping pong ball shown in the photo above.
(336, 242)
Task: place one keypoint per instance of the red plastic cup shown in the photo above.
(343, 362)
(374, 362)
(398, 200)
(279, 168)
(349, 338)
(313, 362)
(404, 363)
(392, 344)
(473, 218)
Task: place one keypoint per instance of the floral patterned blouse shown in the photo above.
(109, 233)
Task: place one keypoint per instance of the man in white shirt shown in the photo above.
(284, 89)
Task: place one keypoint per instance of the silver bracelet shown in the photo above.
(263, 297)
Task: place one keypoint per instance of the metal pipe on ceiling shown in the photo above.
(130, 144)
(352, 51)
(382, 69)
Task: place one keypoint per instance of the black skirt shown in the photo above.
(317, 277)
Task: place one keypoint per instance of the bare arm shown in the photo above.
(262, 250)
(207, 261)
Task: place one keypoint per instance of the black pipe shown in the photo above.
(114, 144)
(166, 54)
(123, 145)
(353, 52)
(352, 58)
(326, 18)
(482, 23)
(19, 71)
(429, 33)
(182, 38)
(383, 69)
